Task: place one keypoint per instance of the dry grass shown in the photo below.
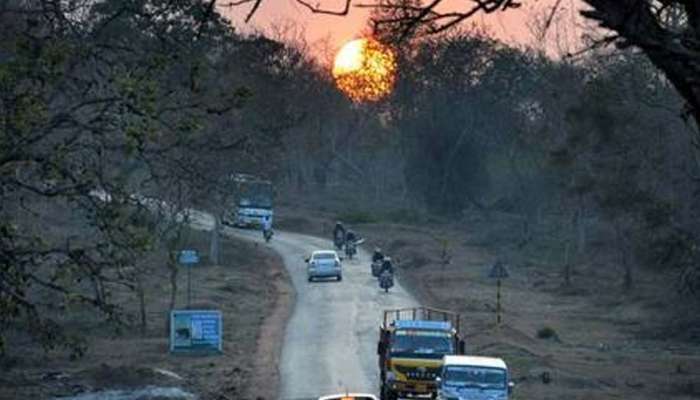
(245, 288)
(610, 344)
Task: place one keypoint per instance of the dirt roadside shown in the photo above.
(265, 380)
(590, 340)
(250, 287)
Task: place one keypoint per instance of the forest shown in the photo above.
(591, 153)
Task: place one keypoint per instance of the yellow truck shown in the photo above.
(412, 344)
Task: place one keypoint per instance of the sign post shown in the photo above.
(189, 258)
(195, 331)
(499, 272)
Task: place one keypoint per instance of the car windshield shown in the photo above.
(485, 378)
(324, 256)
(424, 342)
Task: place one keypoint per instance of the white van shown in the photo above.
(473, 378)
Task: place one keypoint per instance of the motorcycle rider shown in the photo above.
(377, 255)
(339, 231)
(266, 226)
(386, 274)
(350, 236)
(387, 266)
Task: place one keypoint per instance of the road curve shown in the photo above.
(331, 338)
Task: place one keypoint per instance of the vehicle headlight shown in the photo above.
(448, 394)
(390, 376)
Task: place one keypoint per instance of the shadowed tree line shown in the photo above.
(576, 151)
(165, 99)
(101, 104)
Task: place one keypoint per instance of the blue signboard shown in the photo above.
(189, 257)
(193, 331)
(430, 325)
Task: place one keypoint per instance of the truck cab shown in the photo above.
(473, 378)
(411, 348)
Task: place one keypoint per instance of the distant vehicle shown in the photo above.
(339, 241)
(377, 268)
(252, 201)
(350, 248)
(349, 396)
(412, 344)
(267, 235)
(324, 264)
(386, 280)
(468, 377)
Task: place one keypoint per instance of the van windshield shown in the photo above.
(485, 378)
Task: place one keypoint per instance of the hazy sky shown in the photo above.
(510, 26)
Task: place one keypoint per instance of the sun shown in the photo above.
(365, 70)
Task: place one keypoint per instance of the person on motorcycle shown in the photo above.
(266, 226)
(377, 255)
(387, 266)
(339, 230)
(350, 237)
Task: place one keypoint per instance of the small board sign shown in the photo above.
(195, 331)
(189, 257)
(498, 271)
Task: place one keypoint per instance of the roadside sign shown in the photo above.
(195, 331)
(499, 272)
(188, 257)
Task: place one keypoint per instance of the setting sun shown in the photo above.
(365, 70)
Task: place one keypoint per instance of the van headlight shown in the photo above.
(448, 395)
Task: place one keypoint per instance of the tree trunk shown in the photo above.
(140, 292)
(172, 266)
(567, 265)
(214, 244)
(622, 245)
(627, 284)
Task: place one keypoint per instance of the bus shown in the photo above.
(252, 201)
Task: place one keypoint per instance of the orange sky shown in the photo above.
(510, 26)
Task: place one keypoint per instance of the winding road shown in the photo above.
(331, 338)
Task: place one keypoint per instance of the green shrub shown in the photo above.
(547, 333)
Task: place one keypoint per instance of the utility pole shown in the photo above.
(189, 258)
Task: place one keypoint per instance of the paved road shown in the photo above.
(331, 338)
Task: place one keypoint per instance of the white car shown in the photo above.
(324, 264)
(472, 377)
(349, 396)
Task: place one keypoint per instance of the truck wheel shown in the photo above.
(388, 394)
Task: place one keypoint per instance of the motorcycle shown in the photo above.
(338, 242)
(267, 234)
(386, 281)
(350, 249)
(376, 268)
